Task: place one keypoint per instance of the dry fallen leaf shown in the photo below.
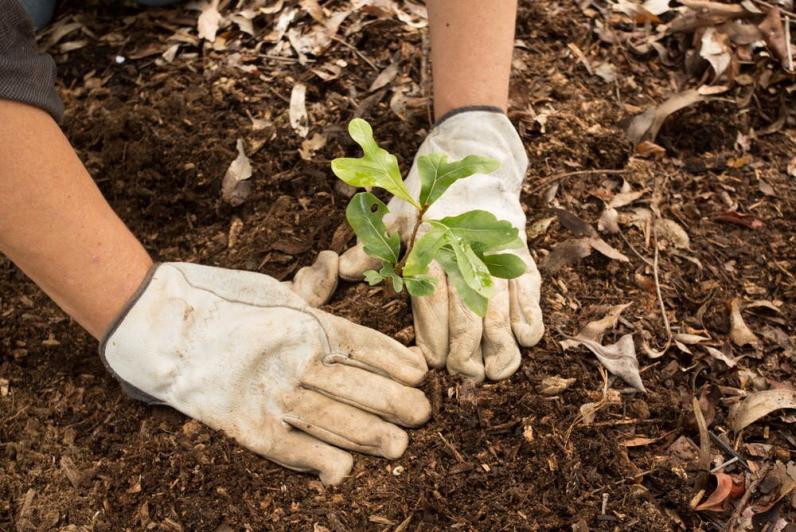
(646, 125)
(594, 330)
(609, 221)
(606, 71)
(606, 249)
(619, 358)
(566, 253)
(170, 53)
(588, 411)
(574, 223)
(554, 385)
(626, 196)
(311, 145)
(725, 489)
(714, 50)
(385, 77)
(539, 227)
(720, 355)
(672, 232)
(759, 404)
(774, 34)
(235, 187)
(209, 21)
(744, 220)
(638, 441)
(298, 109)
(647, 149)
(740, 333)
(690, 339)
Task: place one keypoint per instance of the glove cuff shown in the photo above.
(467, 109)
(130, 390)
(476, 131)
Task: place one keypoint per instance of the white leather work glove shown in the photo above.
(447, 331)
(242, 353)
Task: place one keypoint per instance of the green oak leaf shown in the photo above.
(387, 271)
(472, 299)
(376, 168)
(483, 231)
(424, 251)
(437, 174)
(364, 213)
(504, 265)
(373, 277)
(472, 268)
(420, 285)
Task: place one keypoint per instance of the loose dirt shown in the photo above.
(158, 137)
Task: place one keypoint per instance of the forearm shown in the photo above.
(471, 47)
(56, 226)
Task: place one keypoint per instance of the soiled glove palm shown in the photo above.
(447, 331)
(242, 353)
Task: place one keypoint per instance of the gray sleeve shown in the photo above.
(26, 75)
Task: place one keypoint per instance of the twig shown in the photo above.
(620, 481)
(354, 48)
(566, 175)
(781, 9)
(656, 276)
(704, 438)
(656, 273)
(787, 43)
(618, 422)
(736, 514)
(453, 449)
(729, 450)
(633, 249)
(418, 222)
(603, 401)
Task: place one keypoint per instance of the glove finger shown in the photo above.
(501, 353)
(345, 426)
(367, 391)
(465, 330)
(316, 284)
(526, 315)
(361, 347)
(301, 452)
(431, 320)
(355, 262)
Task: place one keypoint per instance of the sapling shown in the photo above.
(466, 246)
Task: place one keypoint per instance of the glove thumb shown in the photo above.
(316, 283)
(355, 262)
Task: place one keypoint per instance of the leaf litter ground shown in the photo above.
(562, 444)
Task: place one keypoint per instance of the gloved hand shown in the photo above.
(447, 331)
(242, 353)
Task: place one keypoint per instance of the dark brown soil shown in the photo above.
(158, 139)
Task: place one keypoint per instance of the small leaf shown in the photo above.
(373, 277)
(473, 270)
(505, 265)
(472, 299)
(364, 213)
(420, 285)
(437, 174)
(388, 272)
(424, 251)
(376, 168)
(482, 230)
